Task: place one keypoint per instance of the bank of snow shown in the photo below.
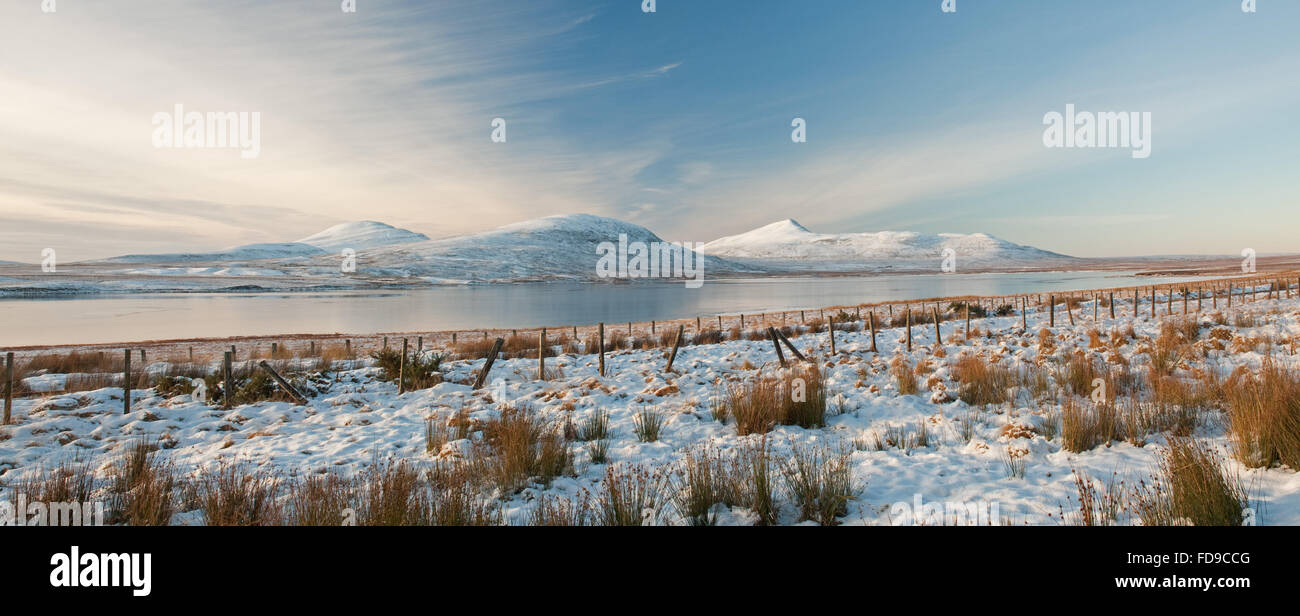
(353, 417)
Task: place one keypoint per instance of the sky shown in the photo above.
(678, 120)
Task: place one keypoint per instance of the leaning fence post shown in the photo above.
(677, 343)
(9, 385)
(938, 340)
(279, 380)
(601, 345)
(771, 333)
(487, 365)
(790, 345)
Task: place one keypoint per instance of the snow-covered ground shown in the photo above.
(356, 417)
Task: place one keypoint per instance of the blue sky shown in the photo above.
(678, 120)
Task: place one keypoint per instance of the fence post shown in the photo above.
(830, 330)
(228, 379)
(601, 345)
(1112, 304)
(771, 333)
(871, 320)
(937, 339)
(401, 368)
(541, 355)
(967, 321)
(909, 329)
(126, 382)
(487, 365)
(677, 343)
(9, 385)
(279, 380)
(1051, 310)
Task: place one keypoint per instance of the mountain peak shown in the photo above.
(361, 234)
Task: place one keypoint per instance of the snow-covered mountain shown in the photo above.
(563, 247)
(247, 252)
(788, 245)
(361, 235)
(554, 247)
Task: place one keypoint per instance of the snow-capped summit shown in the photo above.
(361, 235)
(790, 243)
(553, 247)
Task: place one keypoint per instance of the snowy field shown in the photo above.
(1011, 454)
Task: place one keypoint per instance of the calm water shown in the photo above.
(85, 320)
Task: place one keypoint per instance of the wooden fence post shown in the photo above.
(968, 322)
(771, 333)
(1096, 303)
(541, 355)
(677, 343)
(227, 379)
(1230, 295)
(401, 369)
(601, 347)
(909, 329)
(126, 382)
(487, 365)
(830, 330)
(1051, 309)
(937, 339)
(9, 386)
(871, 320)
(1112, 304)
(790, 345)
(1024, 318)
(1069, 311)
(279, 380)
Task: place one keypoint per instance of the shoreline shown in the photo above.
(364, 342)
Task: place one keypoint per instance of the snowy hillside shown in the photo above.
(787, 244)
(361, 235)
(554, 247)
(248, 252)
